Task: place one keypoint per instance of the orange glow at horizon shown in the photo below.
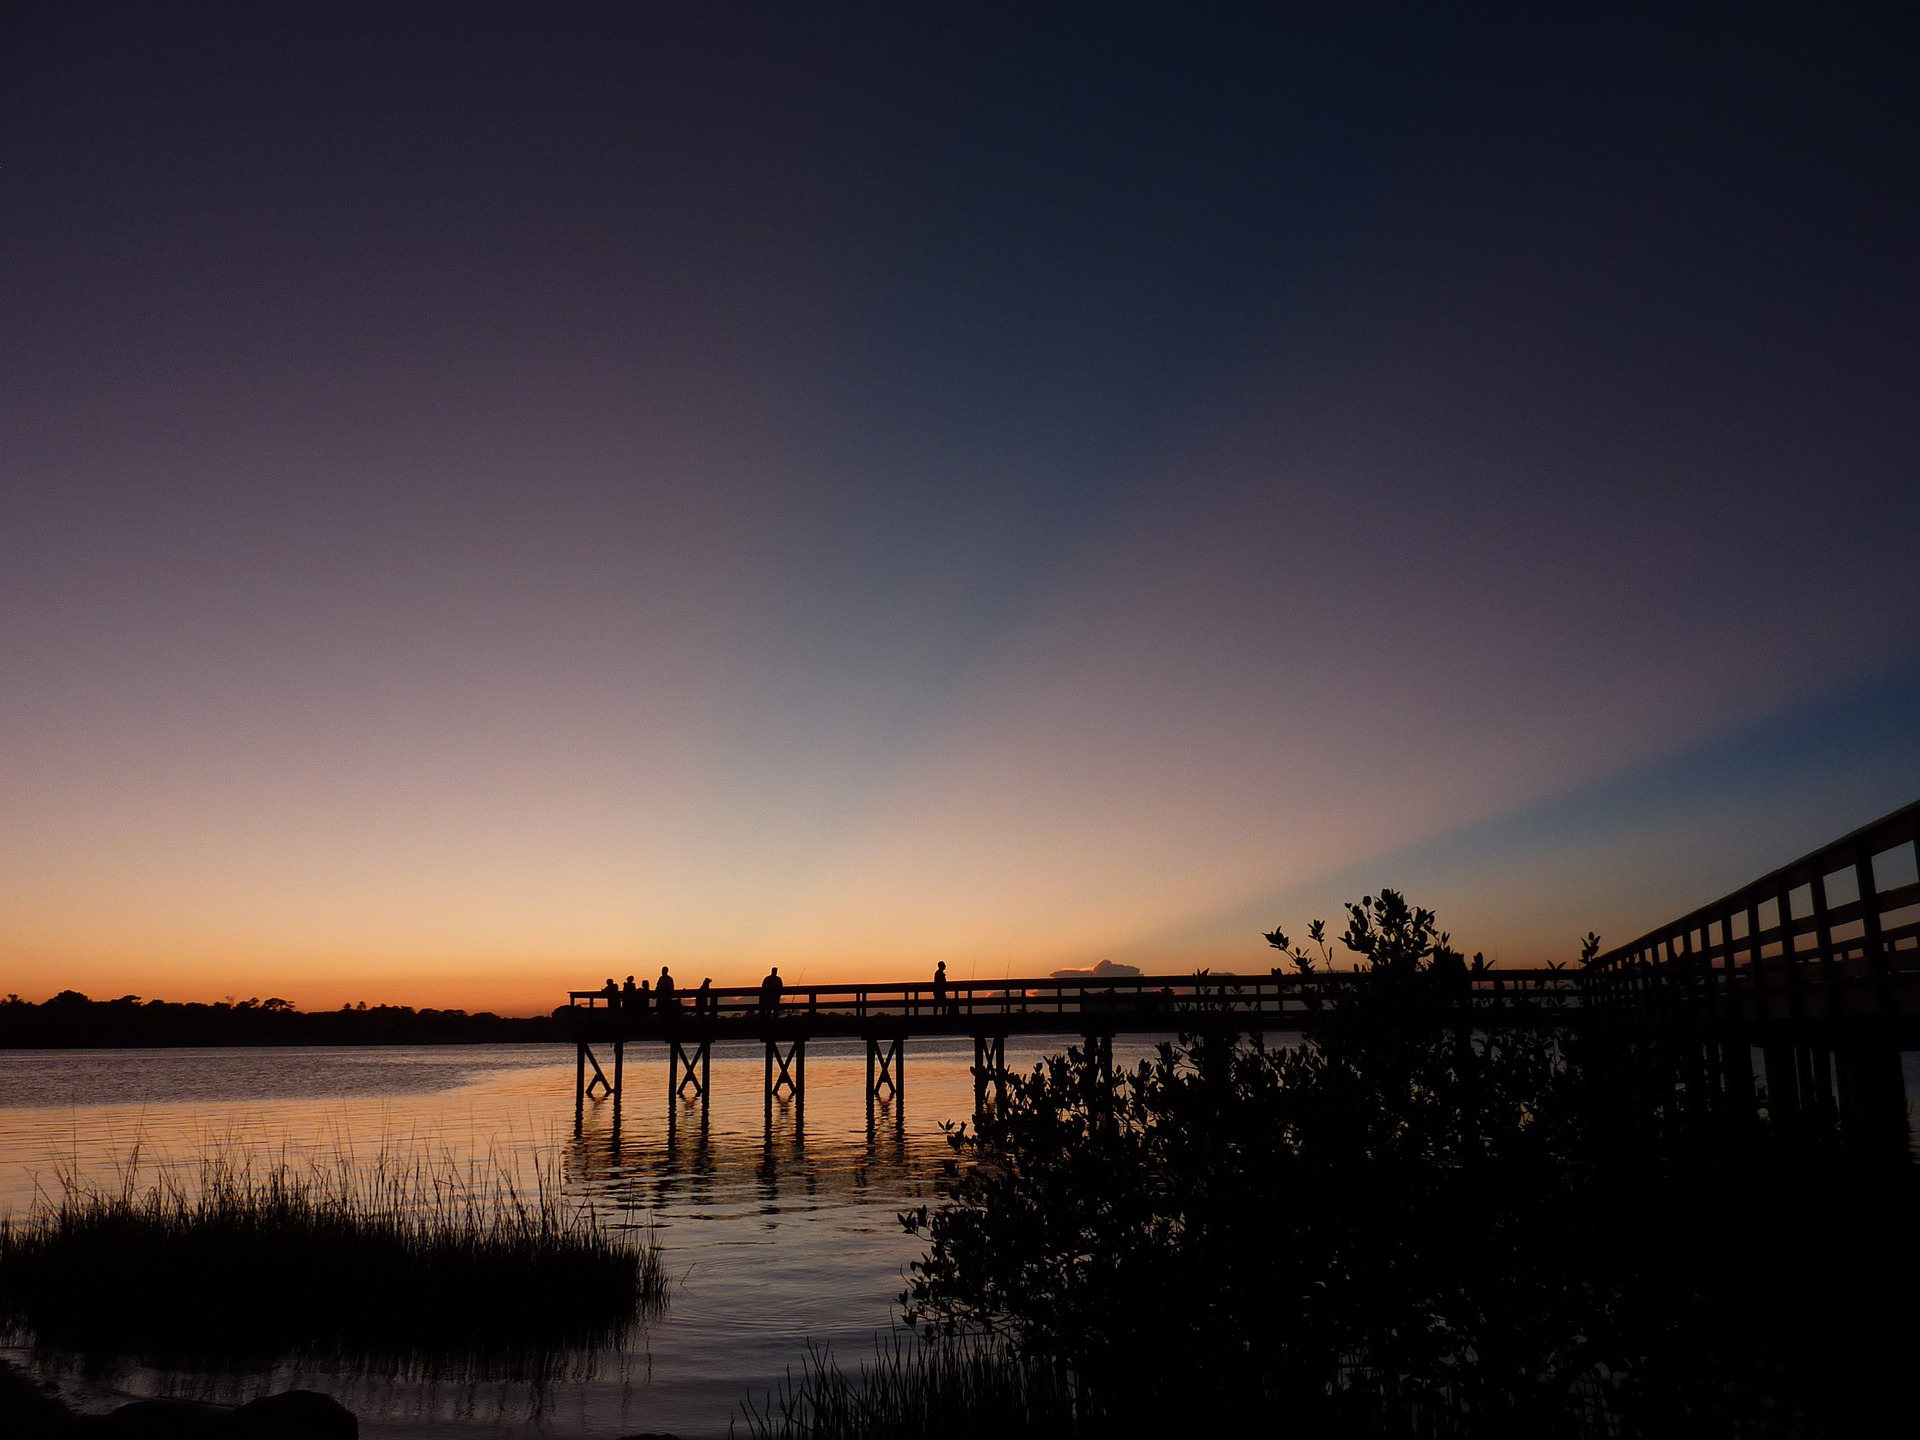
(1130, 774)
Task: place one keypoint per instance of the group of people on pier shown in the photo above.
(663, 998)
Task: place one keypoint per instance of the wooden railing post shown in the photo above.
(1864, 882)
(1789, 950)
(1823, 941)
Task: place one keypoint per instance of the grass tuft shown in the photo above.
(919, 1388)
(400, 1265)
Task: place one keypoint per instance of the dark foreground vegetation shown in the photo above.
(1397, 1228)
(70, 1021)
(965, 1384)
(396, 1267)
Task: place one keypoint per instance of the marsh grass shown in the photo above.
(962, 1385)
(405, 1264)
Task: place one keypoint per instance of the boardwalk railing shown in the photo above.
(1833, 936)
(1143, 1003)
(1816, 965)
(886, 1015)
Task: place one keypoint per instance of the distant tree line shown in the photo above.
(71, 1020)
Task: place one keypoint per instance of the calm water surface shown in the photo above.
(774, 1235)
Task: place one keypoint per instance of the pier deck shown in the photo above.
(886, 1015)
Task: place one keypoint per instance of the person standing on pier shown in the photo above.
(630, 998)
(940, 988)
(612, 992)
(663, 994)
(770, 989)
(703, 1004)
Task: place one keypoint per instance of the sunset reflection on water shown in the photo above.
(778, 1227)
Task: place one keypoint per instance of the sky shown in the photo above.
(497, 496)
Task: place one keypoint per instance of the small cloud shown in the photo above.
(1105, 970)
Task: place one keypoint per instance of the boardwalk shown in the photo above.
(1816, 964)
(887, 1015)
(1834, 936)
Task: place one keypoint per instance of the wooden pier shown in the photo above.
(886, 1016)
(1816, 965)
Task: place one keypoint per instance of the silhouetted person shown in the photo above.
(703, 997)
(646, 996)
(940, 988)
(630, 998)
(663, 996)
(613, 996)
(770, 989)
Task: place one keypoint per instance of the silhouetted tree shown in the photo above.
(1399, 1226)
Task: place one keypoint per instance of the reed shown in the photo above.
(919, 1388)
(403, 1263)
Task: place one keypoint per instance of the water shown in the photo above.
(775, 1235)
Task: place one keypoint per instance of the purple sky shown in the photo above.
(491, 496)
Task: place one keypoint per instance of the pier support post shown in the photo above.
(1783, 1080)
(787, 1071)
(1736, 1069)
(1099, 1049)
(619, 1065)
(1099, 1080)
(599, 1081)
(579, 1086)
(886, 1071)
(1820, 1060)
(689, 1068)
(989, 1064)
(1873, 1095)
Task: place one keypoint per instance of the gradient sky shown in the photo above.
(496, 496)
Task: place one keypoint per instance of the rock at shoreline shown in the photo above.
(290, 1415)
(299, 1415)
(27, 1409)
(28, 1412)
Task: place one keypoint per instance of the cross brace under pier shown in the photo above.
(689, 1068)
(787, 1070)
(886, 1068)
(989, 1066)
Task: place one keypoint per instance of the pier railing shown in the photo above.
(886, 1014)
(1833, 936)
(1816, 963)
(1128, 1002)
